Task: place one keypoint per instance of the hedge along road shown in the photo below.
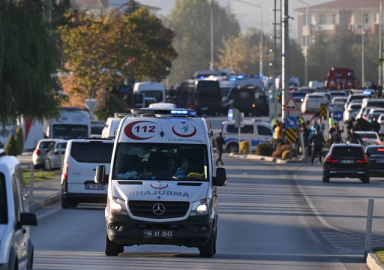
(265, 223)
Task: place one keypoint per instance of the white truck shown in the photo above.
(151, 90)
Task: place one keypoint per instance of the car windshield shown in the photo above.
(317, 97)
(161, 161)
(298, 94)
(375, 150)
(339, 100)
(68, 132)
(347, 151)
(157, 94)
(376, 104)
(224, 91)
(3, 201)
(367, 135)
(371, 115)
(45, 144)
(92, 152)
(61, 145)
(356, 107)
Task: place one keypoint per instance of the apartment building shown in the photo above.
(337, 16)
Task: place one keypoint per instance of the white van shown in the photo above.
(254, 131)
(162, 188)
(72, 123)
(16, 247)
(111, 125)
(80, 162)
(151, 90)
(374, 103)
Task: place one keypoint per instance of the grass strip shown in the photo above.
(38, 176)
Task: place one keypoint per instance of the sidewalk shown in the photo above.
(45, 193)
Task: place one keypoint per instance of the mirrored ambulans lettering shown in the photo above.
(158, 192)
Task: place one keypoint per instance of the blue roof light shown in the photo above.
(261, 75)
(183, 112)
(240, 76)
(367, 92)
(201, 77)
(232, 79)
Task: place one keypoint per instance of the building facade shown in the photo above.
(337, 16)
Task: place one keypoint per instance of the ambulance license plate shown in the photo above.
(158, 234)
(94, 187)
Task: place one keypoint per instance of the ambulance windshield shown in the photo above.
(179, 162)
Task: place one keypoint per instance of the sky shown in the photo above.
(247, 16)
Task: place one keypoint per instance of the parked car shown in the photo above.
(354, 98)
(363, 113)
(312, 102)
(255, 131)
(40, 151)
(337, 104)
(80, 162)
(381, 122)
(16, 247)
(346, 160)
(369, 137)
(351, 111)
(52, 156)
(375, 155)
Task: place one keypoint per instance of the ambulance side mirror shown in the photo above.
(221, 177)
(100, 177)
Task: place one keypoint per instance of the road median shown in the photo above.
(373, 262)
(266, 158)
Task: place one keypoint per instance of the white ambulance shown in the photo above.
(72, 123)
(162, 185)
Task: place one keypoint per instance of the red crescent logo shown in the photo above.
(184, 136)
(129, 133)
(159, 187)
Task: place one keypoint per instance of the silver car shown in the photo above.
(39, 153)
(52, 156)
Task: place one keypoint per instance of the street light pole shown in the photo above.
(381, 45)
(261, 32)
(211, 64)
(306, 42)
(362, 49)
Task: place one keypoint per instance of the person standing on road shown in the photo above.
(375, 126)
(219, 147)
(335, 133)
(354, 138)
(321, 126)
(317, 140)
(278, 136)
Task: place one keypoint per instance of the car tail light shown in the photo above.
(365, 160)
(380, 149)
(365, 118)
(65, 171)
(56, 152)
(378, 143)
(330, 159)
(349, 111)
(37, 152)
(365, 138)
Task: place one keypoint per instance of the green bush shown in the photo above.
(264, 149)
(20, 140)
(11, 149)
(244, 147)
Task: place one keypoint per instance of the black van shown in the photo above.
(250, 99)
(208, 97)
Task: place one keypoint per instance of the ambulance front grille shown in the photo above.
(147, 209)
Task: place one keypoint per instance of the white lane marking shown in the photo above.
(336, 262)
(48, 213)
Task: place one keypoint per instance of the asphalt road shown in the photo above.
(270, 217)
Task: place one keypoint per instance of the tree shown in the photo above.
(20, 140)
(319, 57)
(132, 6)
(111, 105)
(191, 20)
(296, 61)
(12, 149)
(102, 52)
(25, 62)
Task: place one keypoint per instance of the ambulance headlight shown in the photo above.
(200, 207)
(117, 206)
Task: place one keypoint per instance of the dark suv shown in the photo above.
(346, 160)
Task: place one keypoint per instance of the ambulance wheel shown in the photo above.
(208, 250)
(233, 147)
(65, 203)
(111, 248)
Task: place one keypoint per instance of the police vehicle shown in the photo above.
(162, 185)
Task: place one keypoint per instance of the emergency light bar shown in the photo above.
(165, 111)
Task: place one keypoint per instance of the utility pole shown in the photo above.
(285, 57)
(211, 64)
(362, 49)
(381, 45)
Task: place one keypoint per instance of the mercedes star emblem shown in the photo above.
(158, 209)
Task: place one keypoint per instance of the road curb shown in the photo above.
(269, 159)
(44, 203)
(373, 262)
